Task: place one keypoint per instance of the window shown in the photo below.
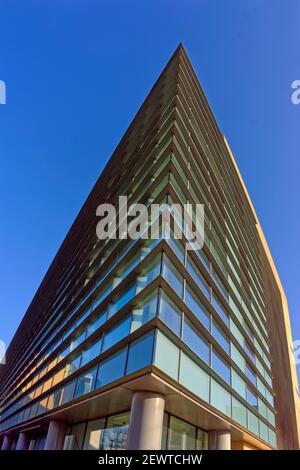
(250, 374)
(144, 311)
(140, 353)
(172, 276)
(272, 438)
(93, 434)
(197, 308)
(122, 300)
(53, 400)
(111, 369)
(194, 378)
(252, 422)
(72, 366)
(33, 410)
(251, 398)
(263, 430)
(166, 355)
(198, 278)
(220, 337)
(169, 313)
(220, 367)
(115, 334)
(104, 293)
(249, 351)
(220, 285)
(238, 384)
(203, 258)
(85, 383)
(116, 432)
(176, 247)
(239, 412)
(236, 333)
(148, 275)
(67, 392)
(96, 323)
(271, 417)
(90, 353)
(220, 310)
(237, 357)
(196, 342)
(181, 436)
(74, 440)
(77, 340)
(261, 387)
(220, 398)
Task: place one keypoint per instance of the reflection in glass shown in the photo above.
(115, 433)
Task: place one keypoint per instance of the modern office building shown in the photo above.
(145, 344)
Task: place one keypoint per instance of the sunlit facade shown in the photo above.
(134, 344)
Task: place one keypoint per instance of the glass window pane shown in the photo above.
(176, 247)
(90, 353)
(116, 431)
(140, 353)
(239, 412)
(74, 440)
(194, 378)
(202, 440)
(220, 285)
(96, 323)
(172, 276)
(166, 355)
(252, 422)
(72, 366)
(238, 384)
(148, 275)
(272, 438)
(181, 436)
(220, 398)
(220, 366)
(85, 383)
(53, 400)
(144, 312)
(237, 357)
(196, 341)
(251, 398)
(77, 340)
(262, 408)
(122, 300)
(111, 369)
(198, 278)
(197, 308)
(250, 374)
(115, 334)
(263, 431)
(220, 309)
(236, 333)
(271, 417)
(220, 337)
(67, 393)
(249, 351)
(93, 434)
(169, 313)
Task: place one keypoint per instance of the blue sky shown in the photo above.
(76, 72)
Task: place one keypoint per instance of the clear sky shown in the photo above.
(76, 72)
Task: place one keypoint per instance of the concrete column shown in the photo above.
(31, 444)
(56, 435)
(219, 440)
(7, 442)
(146, 421)
(23, 441)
